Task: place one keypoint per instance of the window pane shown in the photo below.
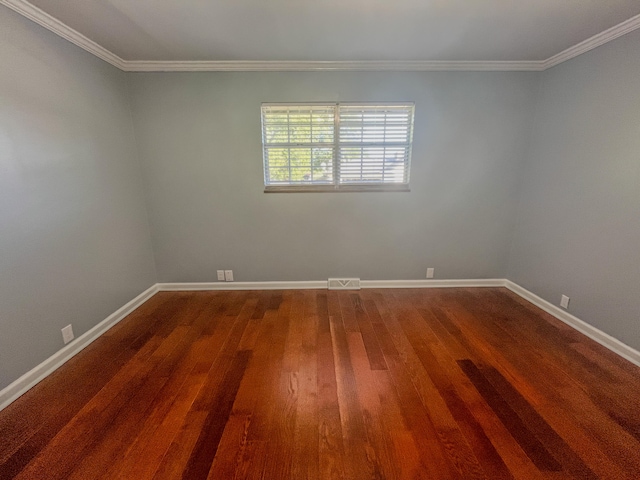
(298, 165)
(336, 144)
(375, 143)
(373, 165)
(297, 124)
(375, 124)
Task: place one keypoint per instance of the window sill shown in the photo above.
(335, 188)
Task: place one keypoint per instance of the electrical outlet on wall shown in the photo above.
(228, 275)
(564, 301)
(221, 275)
(430, 272)
(67, 334)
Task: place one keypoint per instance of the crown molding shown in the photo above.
(590, 43)
(45, 20)
(328, 66)
(42, 18)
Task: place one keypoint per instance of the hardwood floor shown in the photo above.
(317, 384)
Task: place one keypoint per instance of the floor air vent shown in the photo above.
(344, 284)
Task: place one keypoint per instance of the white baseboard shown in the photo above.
(604, 339)
(55, 361)
(464, 283)
(321, 284)
(180, 287)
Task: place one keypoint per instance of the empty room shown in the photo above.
(353, 239)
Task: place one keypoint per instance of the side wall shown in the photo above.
(200, 143)
(74, 238)
(578, 231)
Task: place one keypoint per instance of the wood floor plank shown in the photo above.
(285, 388)
(331, 456)
(573, 463)
(439, 364)
(261, 373)
(172, 371)
(373, 350)
(362, 460)
(475, 417)
(227, 339)
(369, 400)
(534, 448)
(305, 461)
(456, 383)
(437, 396)
(206, 446)
(235, 440)
(164, 421)
(347, 312)
(412, 385)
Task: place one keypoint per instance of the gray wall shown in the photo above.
(74, 237)
(578, 232)
(200, 144)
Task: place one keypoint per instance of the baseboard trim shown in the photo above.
(604, 339)
(322, 284)
(20, 386)
(461, 283)
(198, 286)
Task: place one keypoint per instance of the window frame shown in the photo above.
(336, 186)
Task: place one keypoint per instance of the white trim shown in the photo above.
(479, 282)
(590, 43)
(42, 18)
(324, 66)
(604, 339)
(55, 361)
(322, 284)
(45, 20)
(180, 287)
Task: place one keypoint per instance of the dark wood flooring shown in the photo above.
(317, 384)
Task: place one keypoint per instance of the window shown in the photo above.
(321, 147)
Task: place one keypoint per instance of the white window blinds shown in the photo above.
(336, 145)
(374, 144)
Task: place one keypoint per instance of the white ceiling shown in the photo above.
(339, 30)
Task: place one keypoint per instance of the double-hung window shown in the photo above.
(326, 147)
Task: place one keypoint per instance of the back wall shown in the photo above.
(199, 141)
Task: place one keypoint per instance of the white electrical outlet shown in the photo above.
(430, 272)
(228, 275)
(67, 334)
(564, 301)
(221, 275)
